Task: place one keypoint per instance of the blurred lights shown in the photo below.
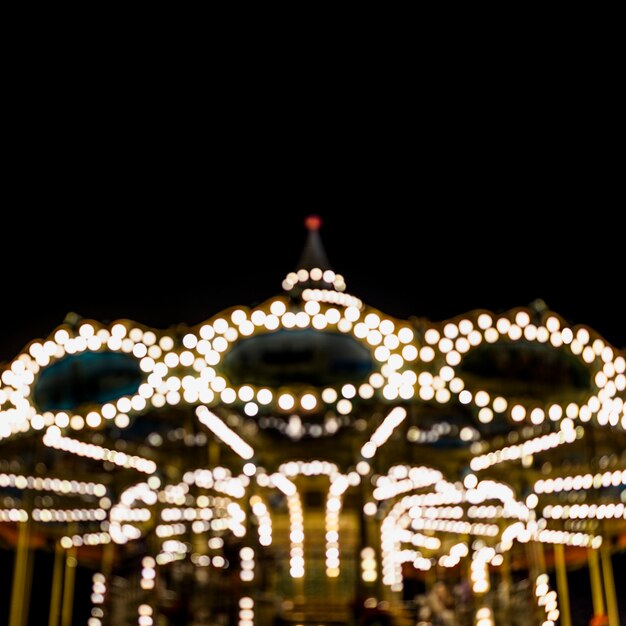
(395, 417)
(221, 430)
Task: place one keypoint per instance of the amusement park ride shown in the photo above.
(315, 461)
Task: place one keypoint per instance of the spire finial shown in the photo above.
(313, 222)
(313, 254)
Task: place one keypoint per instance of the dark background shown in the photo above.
(412, 256)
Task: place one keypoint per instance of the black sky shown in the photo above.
(107, 261)
(180, 192)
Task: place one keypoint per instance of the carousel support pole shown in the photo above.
(370, 536)
(214, 453)
(57, 586)
(536, 561)
(22, 573)
(108, 556)
(106, 567)
(430, 576)
(596, 582)
(506, 581)
(68, 590)
(29, 583)
(540, 557)
(561, 583)
(430, 579)
(609, 584)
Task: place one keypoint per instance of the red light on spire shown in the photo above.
(313, 222)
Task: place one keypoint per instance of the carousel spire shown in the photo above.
(313, 254)
(314, 269)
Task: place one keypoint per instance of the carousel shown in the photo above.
(313, 461)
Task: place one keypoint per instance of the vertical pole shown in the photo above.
(540, 558)
(57, 586)
(108, 556)
(506, 582)
(536, 564)
(430, 576)
(214, 453)
(430, 579)
(68, 589)
(609, 584)
(28, 583)
(561, 584)
(20, 592)
(596, 582)
(106, 567)
(372, 538)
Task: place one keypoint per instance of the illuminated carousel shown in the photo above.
(315, 461)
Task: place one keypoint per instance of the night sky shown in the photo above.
(202, 257)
